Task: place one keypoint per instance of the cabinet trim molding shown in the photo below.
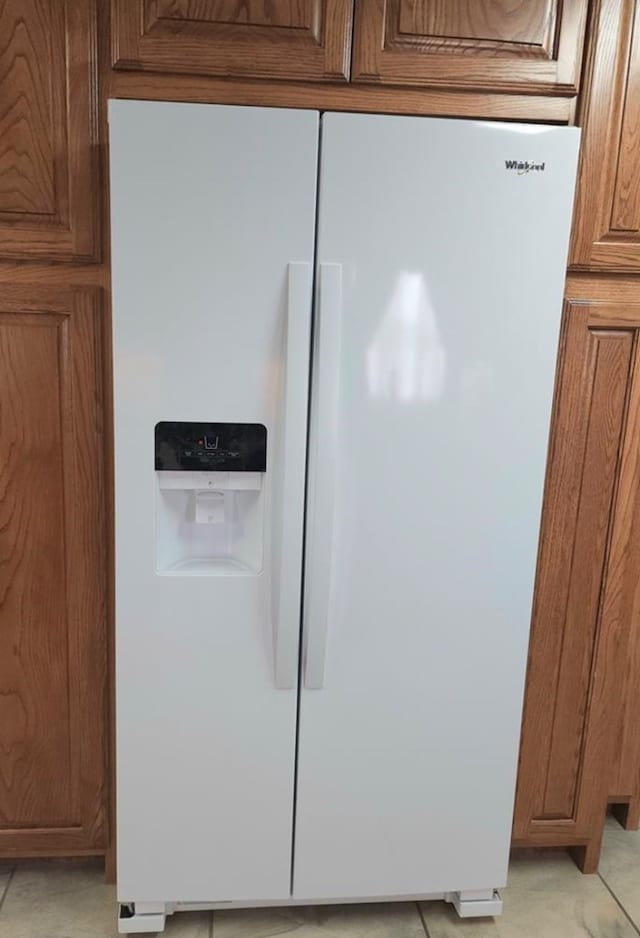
(351, 97)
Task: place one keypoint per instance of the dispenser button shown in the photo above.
(209, 507)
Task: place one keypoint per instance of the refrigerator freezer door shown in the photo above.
(213, 218)
(452, 265)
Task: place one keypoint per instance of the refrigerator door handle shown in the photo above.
(318, 582)
(288, 514)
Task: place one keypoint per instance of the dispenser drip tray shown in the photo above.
(209, 523)
(208, 566)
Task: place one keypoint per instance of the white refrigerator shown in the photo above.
(334, 343)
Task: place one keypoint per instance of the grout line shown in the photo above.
(6, 888)
(421, 914)
(211, 924)
(618, 903)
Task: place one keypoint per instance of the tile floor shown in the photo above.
(547, 897)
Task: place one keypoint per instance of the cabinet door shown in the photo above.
(303, 39)
(48, 180)
(607, 215)
(52, 615)
(526, 45)
(623, 588)
(585, 585)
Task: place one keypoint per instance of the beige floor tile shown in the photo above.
(188, 925)
(547, 897)
(5, 873)
(384, 920)
(58, 900)
(545, 871)
(620, 866)
(69, 900)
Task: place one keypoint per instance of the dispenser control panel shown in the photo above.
(211, 447)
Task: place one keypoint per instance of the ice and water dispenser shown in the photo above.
(209, 498)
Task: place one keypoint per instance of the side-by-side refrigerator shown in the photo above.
(334, 342)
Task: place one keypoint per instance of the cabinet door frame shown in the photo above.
(609, 314)
(553, 67)
(142, 40)
(70, 231)
(599, 241)
(75, 314)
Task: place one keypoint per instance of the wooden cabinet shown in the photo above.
(511, 45)
(48, 179)
(512, 58)
(53, 649)
(586, 608)
(304, 39)
(52, 573)
(607, 214)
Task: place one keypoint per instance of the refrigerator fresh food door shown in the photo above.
(213, 217)
(441, 253)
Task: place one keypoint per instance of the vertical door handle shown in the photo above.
(289, 501)
(318, 601)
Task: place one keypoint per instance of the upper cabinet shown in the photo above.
(529, 46)
(48, 183)
(607, 214)
(308, 40)
(526, 48)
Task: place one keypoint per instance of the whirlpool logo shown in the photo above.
(524, 166)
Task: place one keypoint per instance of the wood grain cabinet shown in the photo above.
(309, 40)
(582, 704)
(529, 46)
(607, 213)
(48, 181)
(52, 573)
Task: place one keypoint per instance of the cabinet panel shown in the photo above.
(582, 631)
(35, 721)
(522, 24)
(625, 213)
(27, 180)
(297, 39)
(484, 44)
(622, 603)
(47, 137)
(52, 641)
(291, 14)
(607, 215)
(581, 476)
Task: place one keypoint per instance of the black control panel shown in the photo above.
(211, 447)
